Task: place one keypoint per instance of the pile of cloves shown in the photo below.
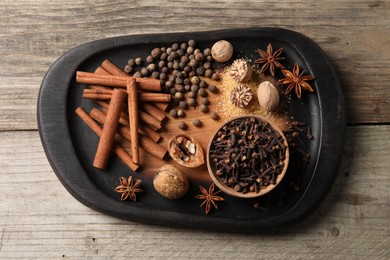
(248, 154)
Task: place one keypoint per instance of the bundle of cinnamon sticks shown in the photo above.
(130, 108)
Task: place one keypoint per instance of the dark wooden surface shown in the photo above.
(39, 219)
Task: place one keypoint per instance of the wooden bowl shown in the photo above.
(250, 194)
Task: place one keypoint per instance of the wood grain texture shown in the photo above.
(353, 34)
(40, 219)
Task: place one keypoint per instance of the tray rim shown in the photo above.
(333, 127)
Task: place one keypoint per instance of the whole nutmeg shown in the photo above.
(268, 96)
(222, 51)
(170, 182)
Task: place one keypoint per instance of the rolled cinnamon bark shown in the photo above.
(116, 81)
(107, 137)
(133, 117)
(113, 69)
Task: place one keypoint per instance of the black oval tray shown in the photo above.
(70, 145)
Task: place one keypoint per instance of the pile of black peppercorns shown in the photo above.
(179, 67)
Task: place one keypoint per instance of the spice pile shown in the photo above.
(248, 154)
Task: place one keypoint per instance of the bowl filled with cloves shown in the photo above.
(248, 156)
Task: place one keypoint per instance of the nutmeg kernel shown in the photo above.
(222, 51)
(268, 96)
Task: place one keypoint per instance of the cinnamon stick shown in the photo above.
(101, 71)
(117, 81)
(106, 141)
(143, 97)
(133, 117)
(118, 149)
(162, 106)
(151, 133)
(97, 96)
(113, 69)
(145, 142)
(154, 97)
(154, 111)
(150, 120)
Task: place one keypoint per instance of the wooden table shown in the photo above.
(40, 219)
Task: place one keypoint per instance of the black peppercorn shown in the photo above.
(156, 52)
(205, 101)
(144, 72)
(215, 76)
(179, 88)
(199, 56)
(137, 74)
(175, 46)
(207, 52)
(172, 91)
(182, 125)
(190, 50)
(192, 43)
(179, 95)
(197, 122)
(183, 46)
(138, 61)
(183, 105)
(214, 116)
(168, 84)
(202, 92)
(191, 101)
(179, 81)
(149, 59)
(165, 70)
(169, 50)
(208, 73)
(161, 64)
(213, 89)
(175, 65)
(184, 59)
(163, 76)
(192, 95)
(151, 67)
(180, 113)
(200, 71)
(203, 84)
(203, 108)
(173, 113)
(194, 88)
(131, 62)
(193, 63)
(207, 65)
(195, 80)
(155, 74)
(163, 56)
(187, 88)
(128, 69)
(187, 81)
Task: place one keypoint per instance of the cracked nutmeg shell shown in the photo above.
(170, 182)
(186, 151)
(241, 71)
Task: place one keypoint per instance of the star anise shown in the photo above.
(270, 59)
(209, 198)
(129, 188)
(296, 80)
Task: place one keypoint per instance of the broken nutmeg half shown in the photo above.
(186, 151)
